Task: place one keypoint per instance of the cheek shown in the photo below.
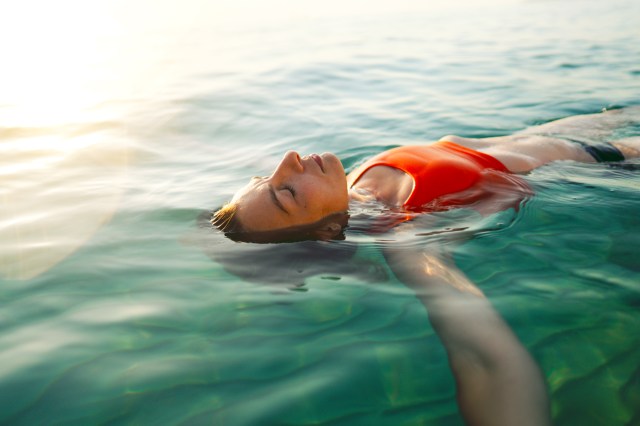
(327, 195)
(340, 193)
(316, 195)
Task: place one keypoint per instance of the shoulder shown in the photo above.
(455, 139)
(473, 143)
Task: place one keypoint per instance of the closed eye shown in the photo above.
(290, 189)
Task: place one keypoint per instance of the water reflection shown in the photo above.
(56, 190)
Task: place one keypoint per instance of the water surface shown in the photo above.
(118, 129)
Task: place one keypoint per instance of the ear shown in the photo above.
(328, 231)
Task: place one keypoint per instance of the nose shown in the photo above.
(290, 164)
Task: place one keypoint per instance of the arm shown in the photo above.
(498, 383)
(535, 146)
(596, 127)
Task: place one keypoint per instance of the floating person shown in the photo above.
(310, 197)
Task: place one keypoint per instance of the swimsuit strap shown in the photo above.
(602, 152)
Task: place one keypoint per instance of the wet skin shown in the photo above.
(301, 190)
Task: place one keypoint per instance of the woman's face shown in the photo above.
(301, 190)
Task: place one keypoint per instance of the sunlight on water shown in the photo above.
(62, 60)
(56, 192)
(53, 65)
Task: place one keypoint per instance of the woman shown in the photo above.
(308, 198)
(304, 193)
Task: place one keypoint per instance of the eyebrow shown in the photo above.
(275, 200)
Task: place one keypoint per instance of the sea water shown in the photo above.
(122, 122)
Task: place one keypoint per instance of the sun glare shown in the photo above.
(51, 61)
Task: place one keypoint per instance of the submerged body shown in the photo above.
(498, 382)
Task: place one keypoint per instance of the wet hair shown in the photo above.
(226, 220)
(330, 227)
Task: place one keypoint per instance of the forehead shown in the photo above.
(256, 210)
(250, 187)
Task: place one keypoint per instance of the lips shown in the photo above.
(318, 160)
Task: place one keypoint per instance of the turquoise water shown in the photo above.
(116, 308)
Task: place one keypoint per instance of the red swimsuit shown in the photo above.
(445, 174)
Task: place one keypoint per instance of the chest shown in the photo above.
(387, 185)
